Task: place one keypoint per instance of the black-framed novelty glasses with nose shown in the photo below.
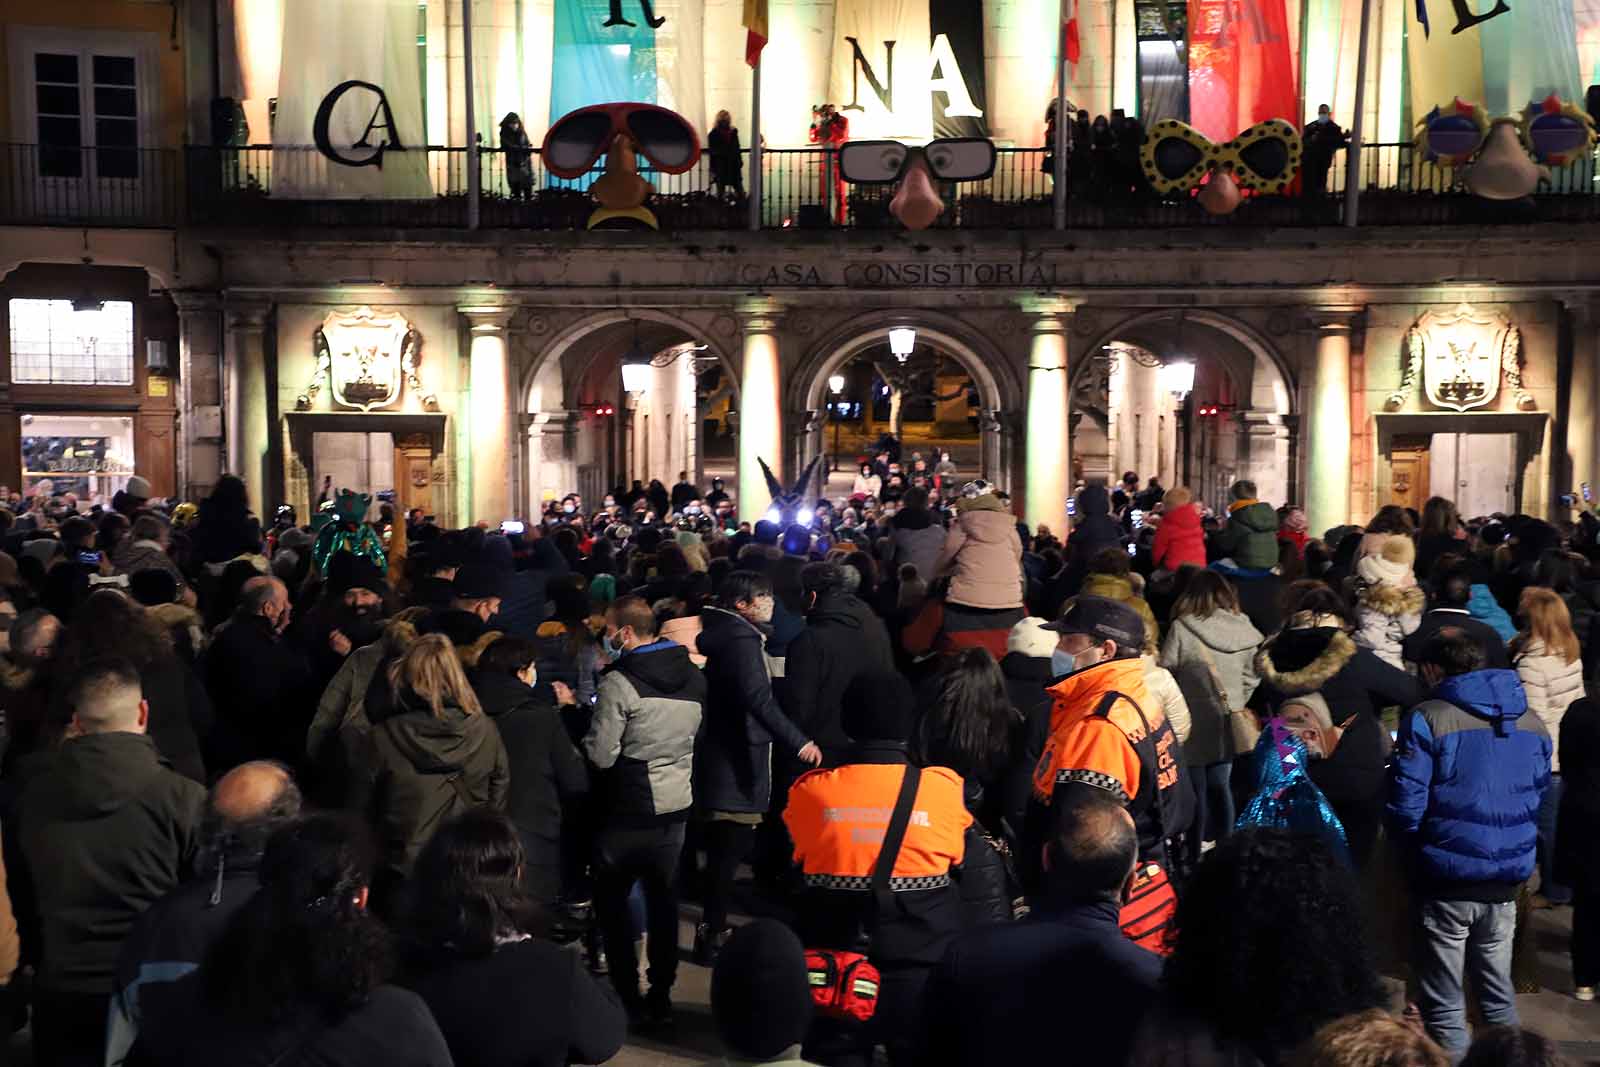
(950, 159)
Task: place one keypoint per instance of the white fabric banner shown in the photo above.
(880, 68)
(353, 101)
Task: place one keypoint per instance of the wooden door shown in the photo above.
(1409, 480)
(413, 474)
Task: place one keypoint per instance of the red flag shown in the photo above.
(1069, 33)
(755, 24)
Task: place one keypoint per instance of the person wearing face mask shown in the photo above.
(647, 711)
(1322, 137)
(547, 774)
(733, 772)
(1106, 731)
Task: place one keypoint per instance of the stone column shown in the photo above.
(1328, 438)
(245, 403)
(488, 415)
(1048, 479)
(201, 458)
(1583, 404)
(760, 407)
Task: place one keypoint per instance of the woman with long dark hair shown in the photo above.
(1440, 533)
(971, 727)
(1269, 946)
(226, 528)
(110, 626)
(301, 973)
(502, 996)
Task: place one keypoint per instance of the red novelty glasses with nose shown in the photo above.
(579, 138)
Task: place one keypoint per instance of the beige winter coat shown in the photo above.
(1163, 689)
(1552, 684)
(983, 556)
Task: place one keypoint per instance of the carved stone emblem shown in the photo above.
(1463, 354)
(368, 355)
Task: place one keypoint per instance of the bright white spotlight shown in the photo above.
(774, 515)
(804, 516)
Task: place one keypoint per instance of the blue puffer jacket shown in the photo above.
(1486, 609)
(1470, 767)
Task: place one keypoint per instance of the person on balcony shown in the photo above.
(1322, 137)
(727, 165)
(832, 130)
(519, 157)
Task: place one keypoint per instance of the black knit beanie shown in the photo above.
(760, 997)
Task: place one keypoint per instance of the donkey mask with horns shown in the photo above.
(788, 507)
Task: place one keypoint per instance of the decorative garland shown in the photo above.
(1408, 378)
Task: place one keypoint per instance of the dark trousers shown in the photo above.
(727, 845)
(896, 1024)
(648, 856)
(1586, 937)
(69, 1029)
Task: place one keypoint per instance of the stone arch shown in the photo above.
(552, 454)
(999, 392)
(551, 352)
(1261, 441)
(1247, 337)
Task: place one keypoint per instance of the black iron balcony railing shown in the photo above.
(52, 185)
(278, 186)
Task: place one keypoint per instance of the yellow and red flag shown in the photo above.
(755, 24)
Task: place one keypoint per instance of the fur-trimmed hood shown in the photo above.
(1295, 662)
(14, 676)
(1388, 600)
(174, 615)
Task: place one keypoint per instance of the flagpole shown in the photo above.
(473, 177)
(1352, 174)
(1060, 169)
(755, 145)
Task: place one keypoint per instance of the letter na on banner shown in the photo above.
(944, 76)
(323, 139)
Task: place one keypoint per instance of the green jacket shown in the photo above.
(106, 830)
(1251, 537)
(420, 770)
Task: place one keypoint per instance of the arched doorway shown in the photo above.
(955, 393)
(1188, 397)
(589, 425)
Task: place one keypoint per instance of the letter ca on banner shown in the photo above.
(391, 136)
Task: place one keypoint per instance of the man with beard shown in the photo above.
(348, 615)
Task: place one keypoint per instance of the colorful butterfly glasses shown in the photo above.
(1554, 131)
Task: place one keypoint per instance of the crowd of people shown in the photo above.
(1175, 788)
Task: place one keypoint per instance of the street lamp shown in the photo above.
(636, 366)
(902, 339)
(836, 385)
(1177, 379)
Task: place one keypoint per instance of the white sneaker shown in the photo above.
(1584, 993)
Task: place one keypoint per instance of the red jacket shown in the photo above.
(1179, 539)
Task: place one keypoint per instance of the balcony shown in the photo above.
(236, 187)
(56, 186)
(283, 187)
